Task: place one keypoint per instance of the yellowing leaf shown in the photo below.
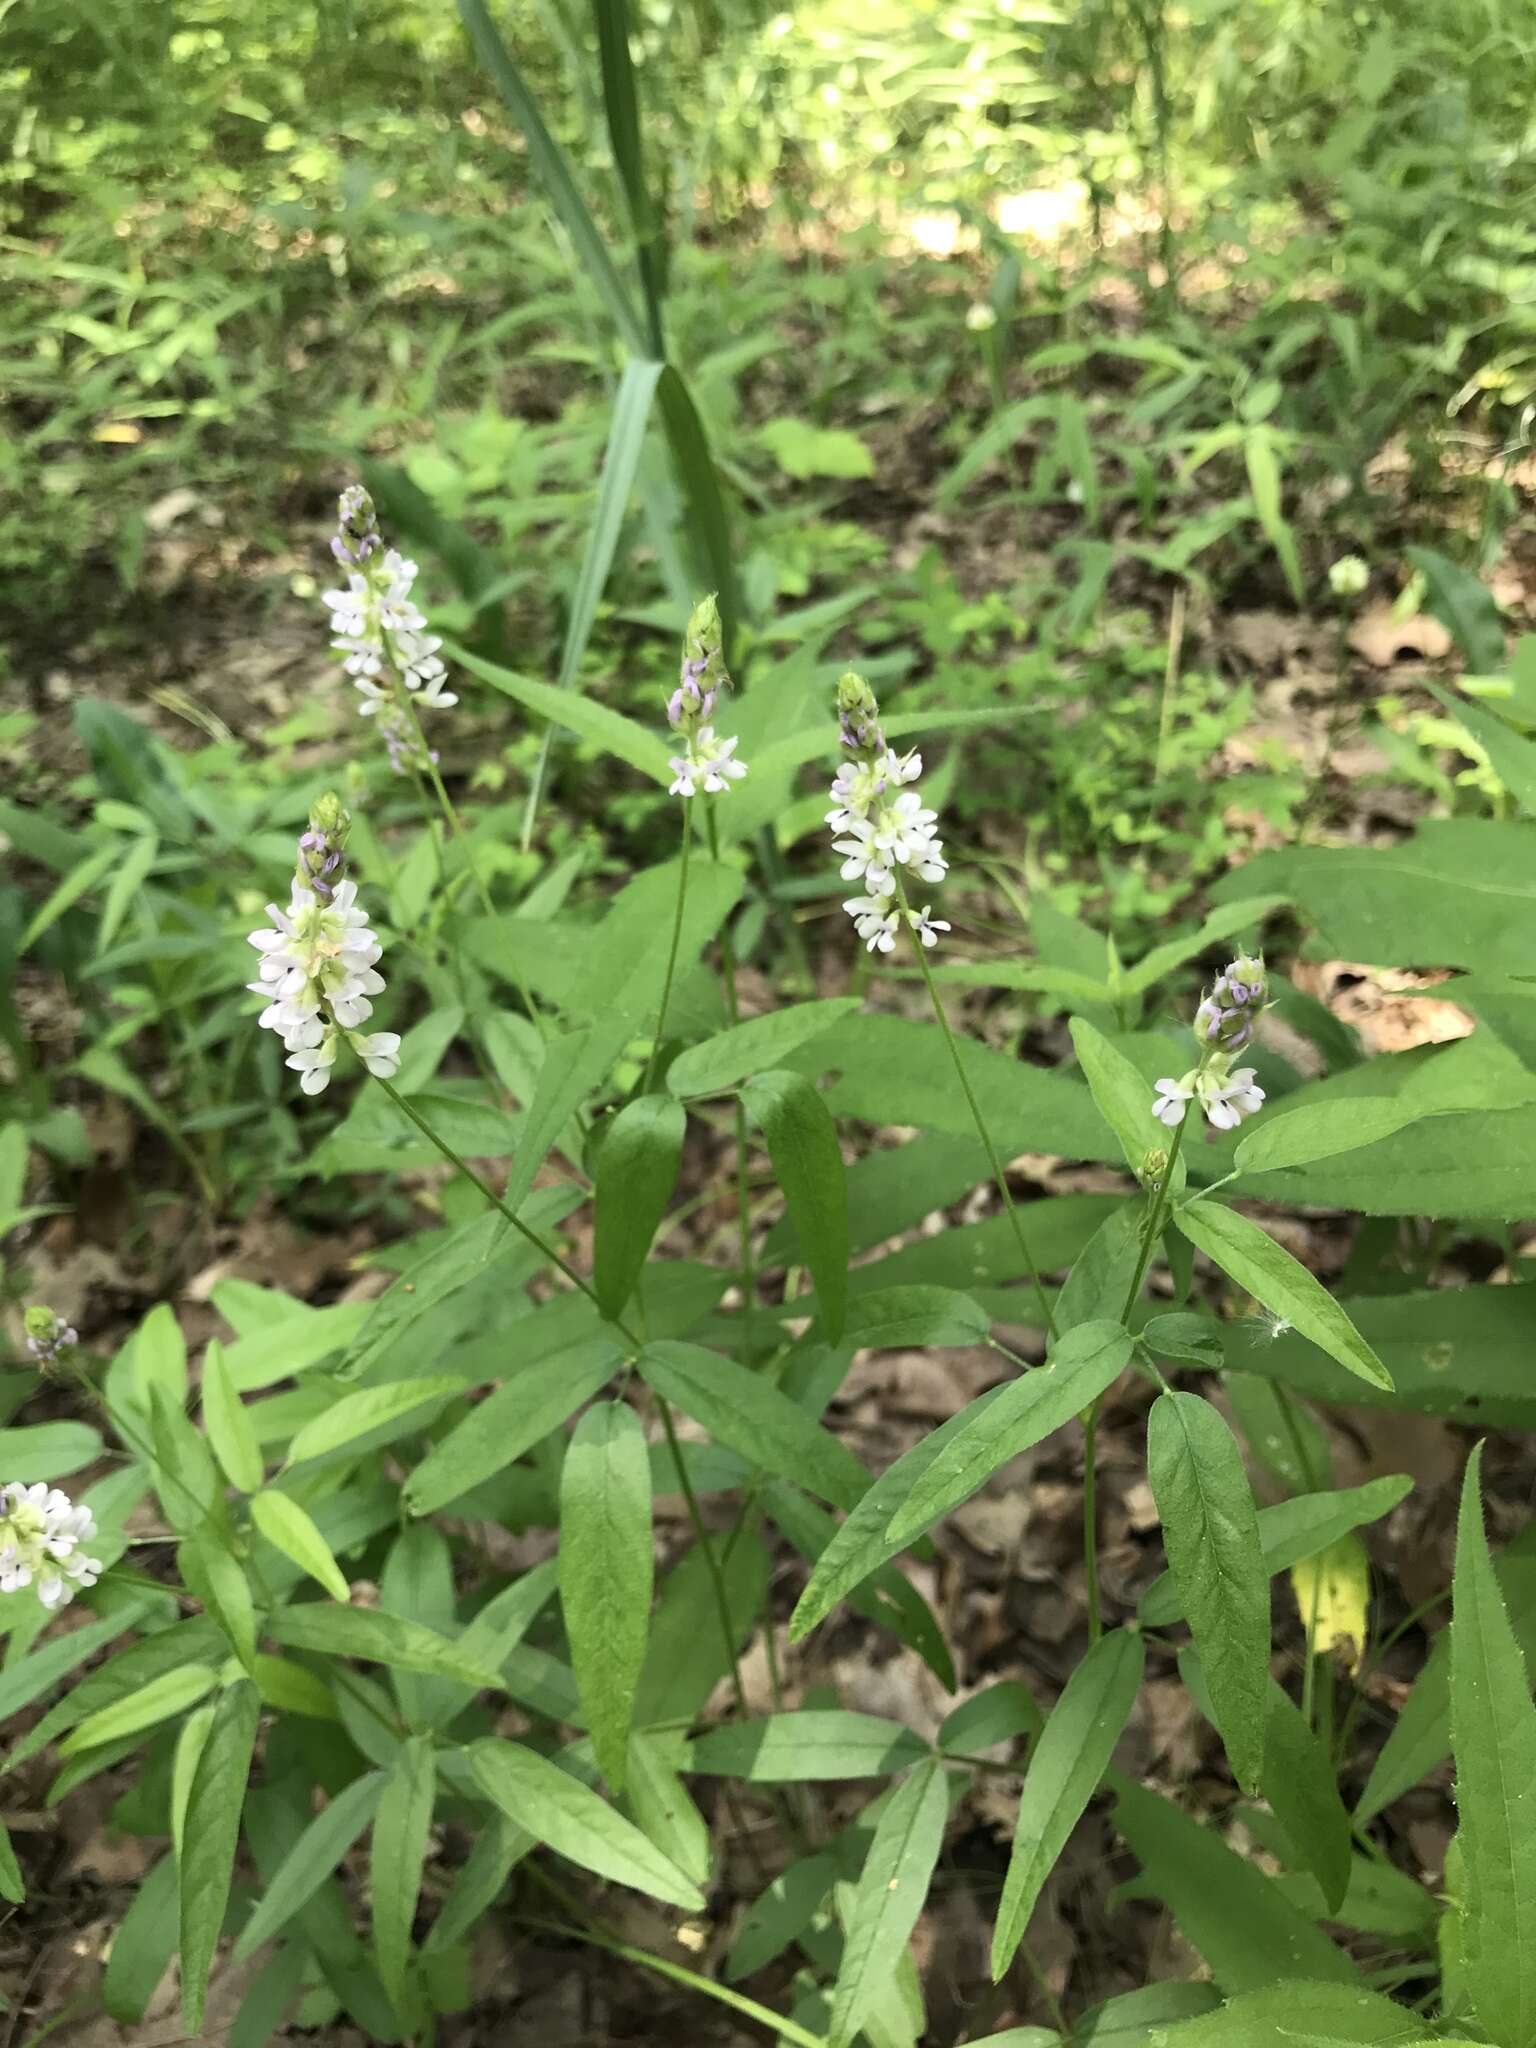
(1333, 1591)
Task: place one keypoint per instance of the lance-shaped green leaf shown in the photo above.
(808, 1165)
(905, 1318)
(754, 1046)
(159, 1700)
(742, 1410)
(1065, 1770)
(863, 1542)
(637, 746)
(211, 1833)
(1297, 1780)
(142, 1946)
(217, 1578)
(658, 1802)
(1290, 1530)
(519, 1414)
(12, 1886)
(1211, 1535)
(605, 1572)
(1493, 1738)
(1290, 2014)
(401, 1826)
(499, 1846)
(1121, 1094)
(636, 1173)
(1299, 1783)
(815, 1743)
(387, 1639)
(463, 1255)
(310, 1861)
(370, 1409)
(779, 1913)
(229, 1428)
(291, 1529)
(1421, 1739)
(1082, 1365)
(1237, 1917)
(892, 1888)
(888, 1598)
(574, 1822)
(1253, 1259)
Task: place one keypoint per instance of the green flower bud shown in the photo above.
(320, 849)
(858, 713)
(704, 642)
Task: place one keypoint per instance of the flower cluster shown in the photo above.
(40, 1536)
(706, 761)
(1224, 1025)
(317, 962)
(49, 1337)
(389, 653)
(883, 823)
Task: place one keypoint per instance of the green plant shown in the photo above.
(365, 1441)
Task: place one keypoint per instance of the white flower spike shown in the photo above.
(41, 1531)
(383, 634)
(317, 963)
(882, 826)
(1224, 1024)
(706, 762)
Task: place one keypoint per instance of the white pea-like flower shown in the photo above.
(1173, 1099)
(707, 765)
(880, 824)
(1228, 1098)
(317, 964)
(875, 921)
(41, 1533)
(1224, 1024)
(381, 632)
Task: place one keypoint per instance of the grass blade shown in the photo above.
(550, 162)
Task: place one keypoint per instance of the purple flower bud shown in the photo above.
(49, 1337)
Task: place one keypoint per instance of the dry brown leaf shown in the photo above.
(1383, 640)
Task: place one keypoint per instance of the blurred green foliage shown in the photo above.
(1003, 319)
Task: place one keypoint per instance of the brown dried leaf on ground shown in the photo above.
(1386, 1005)
(1383, 640)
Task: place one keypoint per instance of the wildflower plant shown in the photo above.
(318, 962)
(707, 762)
(382, 635)
(1224, 1027)
(302, 1628)
(42, 1534)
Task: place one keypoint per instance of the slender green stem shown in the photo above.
(701, 1537)
(1091, 1419)
(456, 827)
(1170, 682)
(1091, 1518)
(748, 1267)
(524, 1230)
(977, 1118)
(677, 933)
(1154, 1228)
(129, 1431)
(779, 2027)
